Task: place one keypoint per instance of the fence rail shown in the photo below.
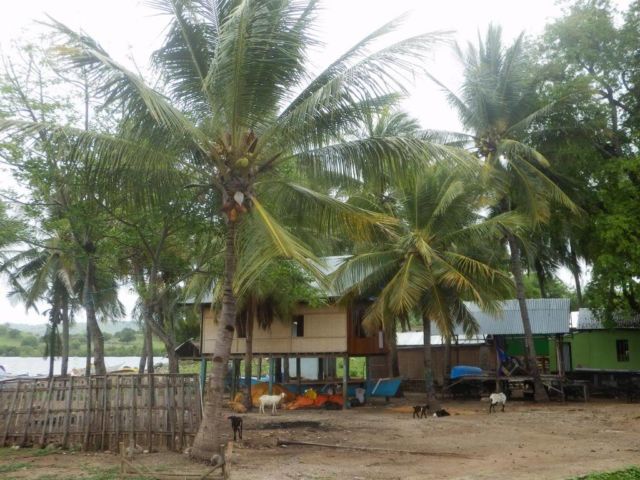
(157, 411)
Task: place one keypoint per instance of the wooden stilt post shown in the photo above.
(495, 349)
(271, 369)
(559, 356)
(203, 374)
(345, 382)
(286, 374)
(234, 379)
(299, 374)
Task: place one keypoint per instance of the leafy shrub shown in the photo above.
(14, 333)
(126, 335)
(29, 341)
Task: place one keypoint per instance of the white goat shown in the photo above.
(497, 399)
(272, 401)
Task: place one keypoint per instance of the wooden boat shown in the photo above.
(381, 387)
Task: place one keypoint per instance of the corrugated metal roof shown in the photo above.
(548, 316)
(410, 339)
(588, 320)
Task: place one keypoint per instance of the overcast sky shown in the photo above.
(128, 28)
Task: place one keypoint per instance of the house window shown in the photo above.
(297, 326)
(622, 350)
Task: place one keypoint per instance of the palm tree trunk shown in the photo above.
(446, 361)
(541, 278)
(143, 356)
(516, 270)
(52, 349)
(64, 365)
(174, 362)
(148, 341)
(428, 364)
(248, 354)
(87, 368)
(575, 270)
(92, 321)
(207, 440)
(392, 358)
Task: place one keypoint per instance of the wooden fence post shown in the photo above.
(67, 414)
(29, 410)
(46, 415)
(133, 414)
(10, 415)
(87, 416)
(116, 412)
(150, 401)
(105, 386)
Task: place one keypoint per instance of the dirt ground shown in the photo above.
(527, 441)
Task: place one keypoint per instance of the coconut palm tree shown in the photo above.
(239, 109)
(496, 105)
(431, 260)
(46, 272)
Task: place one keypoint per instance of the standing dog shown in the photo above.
(420, 411)
(236, 425)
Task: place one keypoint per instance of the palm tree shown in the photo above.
(429, 262)
(47, 272)
(239, 110)
(497, 106)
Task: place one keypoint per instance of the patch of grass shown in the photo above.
(13, 467)
(105, 474)
(110, 474)
(9, 452)
(631, 473)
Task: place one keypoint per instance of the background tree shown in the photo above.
(594, 141)
(497, 106)
(428, 263)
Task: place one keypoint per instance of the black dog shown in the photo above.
(420, 411)
(236, 424)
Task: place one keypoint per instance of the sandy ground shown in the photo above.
(527, 441)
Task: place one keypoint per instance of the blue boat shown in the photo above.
(465, 371)
(381, 387)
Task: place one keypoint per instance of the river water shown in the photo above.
(35, 366)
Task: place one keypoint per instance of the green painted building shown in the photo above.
(615, 349)
(590, 346)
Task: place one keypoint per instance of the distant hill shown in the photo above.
(77, 328)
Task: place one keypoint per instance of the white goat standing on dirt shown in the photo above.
(270, 400)
(497, 399)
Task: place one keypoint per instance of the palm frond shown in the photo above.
(120, 86)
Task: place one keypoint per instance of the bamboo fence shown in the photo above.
(148, 412)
